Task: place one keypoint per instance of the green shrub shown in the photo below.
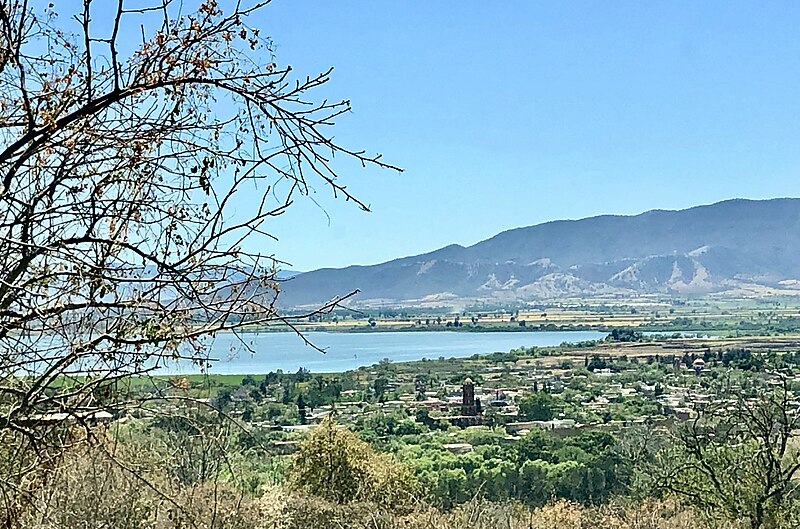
(335, 464)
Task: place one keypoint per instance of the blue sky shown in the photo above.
(506, 114)
(512, 113)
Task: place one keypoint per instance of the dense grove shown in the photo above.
(540, 467)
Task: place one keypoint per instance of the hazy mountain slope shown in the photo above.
(702, 249)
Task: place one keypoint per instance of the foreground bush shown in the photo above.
(333, 463)
(94, 487)
(282, 510)
(125, 487)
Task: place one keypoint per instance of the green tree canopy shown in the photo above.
(538, 406)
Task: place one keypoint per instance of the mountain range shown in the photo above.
(741, 247)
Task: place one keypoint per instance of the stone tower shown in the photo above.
(468, 398)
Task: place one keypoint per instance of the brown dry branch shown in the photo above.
(738, 457)
(119, 167)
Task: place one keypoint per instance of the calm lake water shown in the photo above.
(345, 351)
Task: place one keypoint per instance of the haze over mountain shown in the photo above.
(738, 246)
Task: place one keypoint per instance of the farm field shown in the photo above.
(647, 313)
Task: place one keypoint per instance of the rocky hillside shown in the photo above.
(736, 245)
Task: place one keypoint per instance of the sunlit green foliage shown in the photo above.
(535, 469)
(335, 464)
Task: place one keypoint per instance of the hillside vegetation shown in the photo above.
(334, 481)
(299, 450)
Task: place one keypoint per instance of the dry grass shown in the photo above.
(283, 510)
(564, 515)
(89, 490)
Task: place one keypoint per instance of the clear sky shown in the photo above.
(512, 113)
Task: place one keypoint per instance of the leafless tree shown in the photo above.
(739, 456)
(128, 130)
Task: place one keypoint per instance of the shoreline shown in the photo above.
(650, 329)
(758, 344)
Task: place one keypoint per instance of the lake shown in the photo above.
(346, 351)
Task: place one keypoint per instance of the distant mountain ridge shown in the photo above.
(736, 245)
